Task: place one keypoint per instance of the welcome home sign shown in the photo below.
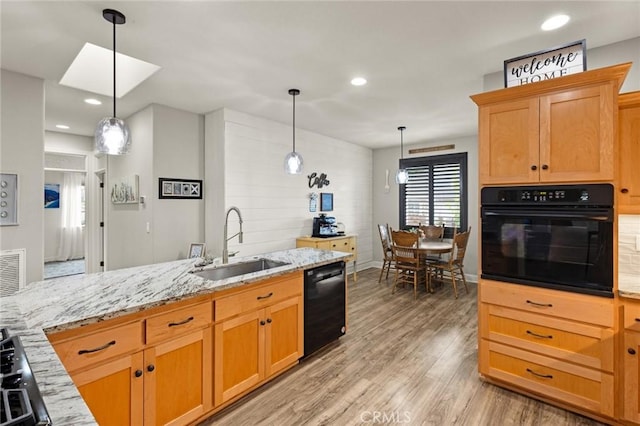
(547, 64)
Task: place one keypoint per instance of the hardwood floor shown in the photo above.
(402, 361)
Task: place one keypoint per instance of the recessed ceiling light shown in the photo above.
(62, 126)
(92, 101)
(554, 22)
(92, 70)
(359, 81)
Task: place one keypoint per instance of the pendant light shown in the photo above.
(402, 176)
(112, 134)
(293, 160)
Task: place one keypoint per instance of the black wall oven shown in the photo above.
(558, 237)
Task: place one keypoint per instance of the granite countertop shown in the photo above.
(69, 302)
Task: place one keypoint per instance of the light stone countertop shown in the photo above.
(629, 285)
(69, 302)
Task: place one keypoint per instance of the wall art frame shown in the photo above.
(197, 250)
(125, 190)
(179, 188)
(326, 201)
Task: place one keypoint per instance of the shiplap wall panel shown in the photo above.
(274, 205)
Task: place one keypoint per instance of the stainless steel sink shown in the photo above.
(234, 269)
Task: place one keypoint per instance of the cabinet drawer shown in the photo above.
(258, 297)
(179, 321)
(574, 306)
(631, 315)
(583, 344)
(93, 348)
(584, 387)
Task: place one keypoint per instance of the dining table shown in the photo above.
(429, 247)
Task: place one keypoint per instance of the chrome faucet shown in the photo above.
(225, 250)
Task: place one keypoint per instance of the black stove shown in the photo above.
(21, 403)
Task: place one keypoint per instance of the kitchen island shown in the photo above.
(67, 304)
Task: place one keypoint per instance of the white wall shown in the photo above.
(178, 146)
(274, 205)
(22, 152)
(386, 205)
(52, 220)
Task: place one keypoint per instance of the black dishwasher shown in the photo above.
(324, 306)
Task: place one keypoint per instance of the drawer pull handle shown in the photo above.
(631, 351)
(265, 297)
(541, 336)
(174, 324)
(98, 349)
(542, 305)
(542, 376)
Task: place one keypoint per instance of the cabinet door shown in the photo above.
(509, 142)
(631, 371)
(325, 245)
(629, 155)
(178, 379)
(284, 334)
(577, 135)
(114, 391)
(239, 355)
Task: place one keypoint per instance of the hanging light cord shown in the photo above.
(294, 122)
(114, 67)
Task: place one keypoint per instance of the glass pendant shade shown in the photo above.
(112, 136)
(402, 176)
(293, 163)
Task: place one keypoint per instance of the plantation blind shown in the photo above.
(435, 192)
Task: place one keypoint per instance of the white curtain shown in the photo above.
(71, 229)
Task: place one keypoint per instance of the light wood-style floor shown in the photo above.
(402, 361)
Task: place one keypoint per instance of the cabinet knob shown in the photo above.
(138, 373)
(624, 190)
(262, 322)
(269, 320)
(151, 367)
(545, 167)
(631, 351)
(534, 167)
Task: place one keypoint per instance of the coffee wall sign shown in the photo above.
(546, 64)
(318, 180)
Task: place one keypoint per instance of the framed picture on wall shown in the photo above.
(125, 190)
(179, 188)
(326, 201)
(196, 250)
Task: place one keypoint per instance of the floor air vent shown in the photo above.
(11, 271)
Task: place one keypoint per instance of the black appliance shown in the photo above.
(324, 226)
(324, 306)
(558, 237)
(21, 402)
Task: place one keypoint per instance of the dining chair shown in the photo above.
(454, 266)
(408, 263)
(432, 232)
(387, 251)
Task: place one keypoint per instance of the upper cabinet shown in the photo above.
(629, 136)
(559, 130)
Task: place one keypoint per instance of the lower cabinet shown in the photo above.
(631, 363)
(554, 344)
(264, 339)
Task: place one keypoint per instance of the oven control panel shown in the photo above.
(593, 194)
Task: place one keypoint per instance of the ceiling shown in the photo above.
(422, 58)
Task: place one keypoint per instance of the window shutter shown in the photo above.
(446, 194)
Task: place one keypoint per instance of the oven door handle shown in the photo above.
(601, 215)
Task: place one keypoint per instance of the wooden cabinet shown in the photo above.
(165, 378)
(629, 136)
(556, 344)
(560, 130)
(631, 362)
(258, 333)
(346, 244)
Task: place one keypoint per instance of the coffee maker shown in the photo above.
(324, 226)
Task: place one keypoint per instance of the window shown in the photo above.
(436, 192)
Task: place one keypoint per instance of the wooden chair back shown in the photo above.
(385, 239)
(405, 247)
(432, 232)
(460, 241)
